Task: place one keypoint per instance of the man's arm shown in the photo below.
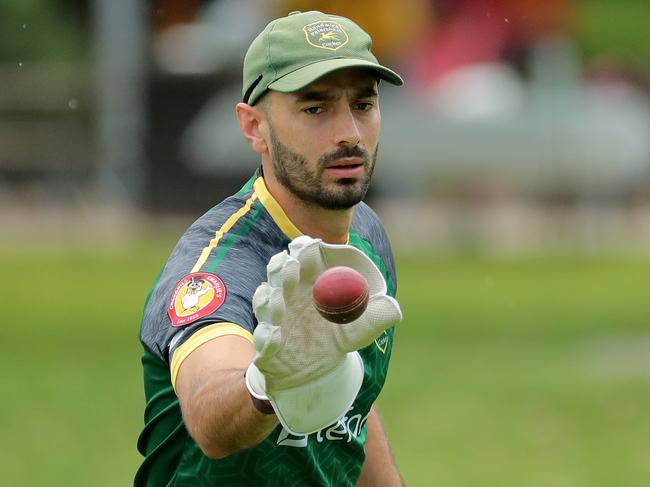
(217, 408)
(379, 469)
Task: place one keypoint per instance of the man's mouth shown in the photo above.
(345, 167)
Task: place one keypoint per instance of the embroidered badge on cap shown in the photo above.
(195, 296)
(326, 34)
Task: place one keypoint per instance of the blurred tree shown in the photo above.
(44, 30)
(617, 30)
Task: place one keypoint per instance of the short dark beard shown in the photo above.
(292, 171)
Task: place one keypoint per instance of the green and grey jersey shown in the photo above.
(204, 291)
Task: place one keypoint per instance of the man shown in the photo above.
(246, 384)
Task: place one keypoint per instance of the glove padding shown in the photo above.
(307, 367)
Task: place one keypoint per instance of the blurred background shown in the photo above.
(513, 179)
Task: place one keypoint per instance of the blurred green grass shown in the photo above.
(528, 371)
(616, 30)
(506, 371)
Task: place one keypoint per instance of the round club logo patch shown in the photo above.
(326, 34)
(195, 296)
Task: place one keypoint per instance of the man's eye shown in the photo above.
(313, 110)
(365, 106)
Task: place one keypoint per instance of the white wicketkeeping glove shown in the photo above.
(307, 367)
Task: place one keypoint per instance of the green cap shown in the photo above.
(296, 50)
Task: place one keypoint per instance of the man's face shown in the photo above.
(324, 138)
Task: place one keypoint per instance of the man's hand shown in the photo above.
(308, 367)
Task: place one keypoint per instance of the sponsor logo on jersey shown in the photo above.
(195, 296)
(382, 341)
(345, 429)
(326, 34)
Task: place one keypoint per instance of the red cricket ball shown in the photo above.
(340, 294)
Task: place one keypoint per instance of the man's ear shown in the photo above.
(250, 118)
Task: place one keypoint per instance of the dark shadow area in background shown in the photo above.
(172, 185)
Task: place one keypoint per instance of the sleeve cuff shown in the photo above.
(201, 336)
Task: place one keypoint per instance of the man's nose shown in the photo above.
(347, 130)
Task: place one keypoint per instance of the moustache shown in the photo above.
(342, 152)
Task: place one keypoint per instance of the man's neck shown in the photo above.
(332, 226)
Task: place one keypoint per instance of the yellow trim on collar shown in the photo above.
(275, 210)
(200, 337)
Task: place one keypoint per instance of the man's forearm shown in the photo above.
(379, 469)
(221, 417)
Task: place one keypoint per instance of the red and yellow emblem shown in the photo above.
(195, 296)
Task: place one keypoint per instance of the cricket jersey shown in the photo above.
(205, 291)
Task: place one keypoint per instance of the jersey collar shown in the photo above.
(275, 210)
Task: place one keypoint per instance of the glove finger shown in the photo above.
(346, 255)
(268, 304)
(274, 268)
(261, 295)
(298, 243)
(290, 276)
(261, 298)
(267, 340)
(309, 255)
(382, 312)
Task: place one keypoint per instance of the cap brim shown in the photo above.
(302, 77)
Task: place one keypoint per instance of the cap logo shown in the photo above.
(326, 34)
